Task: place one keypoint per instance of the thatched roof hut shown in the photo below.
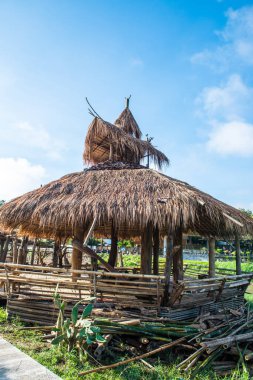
(122, 198)
(129, 195)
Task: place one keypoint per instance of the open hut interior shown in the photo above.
(118, 196)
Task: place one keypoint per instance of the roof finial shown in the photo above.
(127, 101)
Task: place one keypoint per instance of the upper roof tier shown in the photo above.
(105, 141)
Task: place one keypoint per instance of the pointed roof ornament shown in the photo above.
(127, 122)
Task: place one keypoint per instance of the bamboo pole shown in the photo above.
(211, 253)
(238, 255)
(123, 362)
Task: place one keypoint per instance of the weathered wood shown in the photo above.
(156, 245)
(22, 251)
(55, 253)
(114, 247)
(146, 249)
(77, 253)
(5, 249)
(78, 246)
(211, 254)
(167, 270)
(178, 270)
(15, 250)
(238, 255)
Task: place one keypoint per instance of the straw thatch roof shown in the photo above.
(127, 122)
(106, 141)
(127, 193)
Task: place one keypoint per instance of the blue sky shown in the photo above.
(187, 63)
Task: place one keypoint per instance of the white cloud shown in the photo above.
(225, 109)
(36, 137)
(235, 44)
(232, 138)
(18, 176)
(228, 101)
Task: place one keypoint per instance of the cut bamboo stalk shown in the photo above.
(123, 362)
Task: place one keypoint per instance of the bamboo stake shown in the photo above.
(123, 362)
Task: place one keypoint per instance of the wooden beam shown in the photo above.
(77, 245)
(156, 245)
(238, 255)
(211, 253)
(178, 270)
(114, 247)
(146, 249)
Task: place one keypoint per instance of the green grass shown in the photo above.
(67, 366)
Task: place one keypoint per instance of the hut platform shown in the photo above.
(29, 291)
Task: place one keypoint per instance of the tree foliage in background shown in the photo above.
(247, 212)
(2, 202)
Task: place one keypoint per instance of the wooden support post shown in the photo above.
(146, 249)
(77, 254)
(178, 270)
(167, 270)
(114, 247)
(5, 249)
(22, 251)
(33, 251)
(238, 255)
(15, 250)
(211, 257)
(156, 245)
(1, 247)
(56, 253)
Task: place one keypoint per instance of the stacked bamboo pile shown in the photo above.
(223, 342)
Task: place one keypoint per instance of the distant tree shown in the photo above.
(247, 212)
(94, 242)
(2, 202)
